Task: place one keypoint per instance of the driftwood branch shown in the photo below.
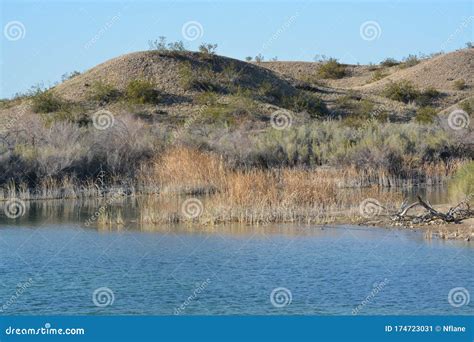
(455, 214)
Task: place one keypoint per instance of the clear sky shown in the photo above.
(41, 40)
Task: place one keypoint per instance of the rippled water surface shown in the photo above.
(50, 263)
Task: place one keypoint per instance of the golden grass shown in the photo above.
(251, 196)
(184, 170)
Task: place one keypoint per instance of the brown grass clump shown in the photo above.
(253, 196)
(187, 170)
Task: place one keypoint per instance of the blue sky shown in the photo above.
(41, 40)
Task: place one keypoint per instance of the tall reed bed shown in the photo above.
(250, 196)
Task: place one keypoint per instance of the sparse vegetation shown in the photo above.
(459, 84)
(378, 75)
(259, 58)
(103, 92)
(405, 91)
(141, 92)
(332, 69)
(425, 115)
(389, 62)
(208, 49)
(68, 76)
(162, 46)
(467, 106)
(409, 61)
(45, 101)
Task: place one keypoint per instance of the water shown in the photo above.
(50, 263)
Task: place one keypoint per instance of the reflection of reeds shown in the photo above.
(110, 219)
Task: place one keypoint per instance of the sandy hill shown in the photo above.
(439, 72)
(173, 74)
(222, 88)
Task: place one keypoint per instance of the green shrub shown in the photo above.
(44, 101)
(378, 75)
(207, 98)
(425, 115)
(389, 62)
(467, 106)
(459, 84)
(427, 96)
(202, 79)
(305, 102)
(403, 91)
(103, 92)
(332, 69)
(141, 91)
(461, 186)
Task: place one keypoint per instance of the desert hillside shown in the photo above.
(181, 83)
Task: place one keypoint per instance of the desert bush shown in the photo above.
(427, 96)
(403, 91)
(45, 101)
(103, 92)
(425, 115)
(378, 75)
(305, 102)
(208, 49)
(202, 79)
(162, 46)
(461, 186)
(69, 75)
(467, 106)
(389, 62)
(332, 69)
(259, 58)
(141, 91)
(248, 59)
(237, 108)
(409, 61)
(459, 84)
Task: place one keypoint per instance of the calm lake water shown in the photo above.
(51, 264)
